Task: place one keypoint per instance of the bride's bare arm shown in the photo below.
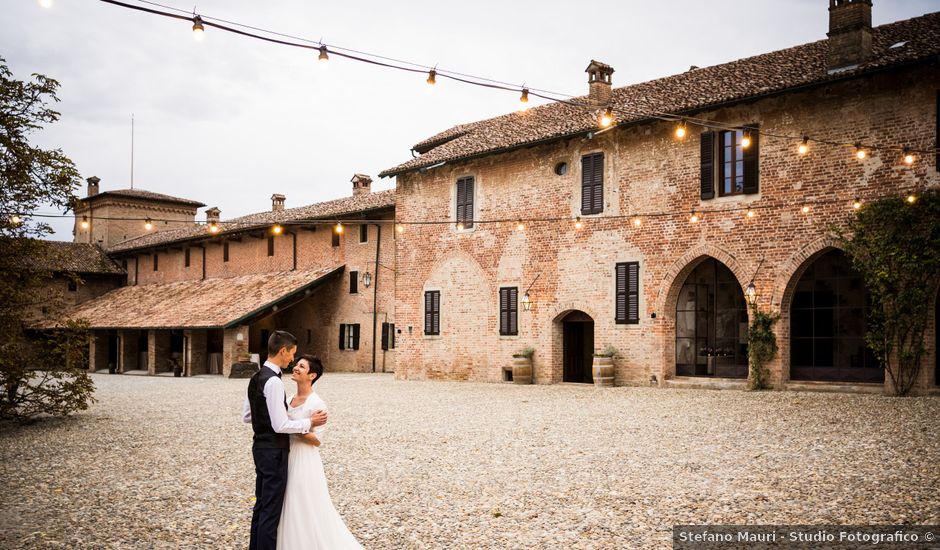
(310, 438)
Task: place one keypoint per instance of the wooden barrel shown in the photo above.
(521, 370)
(603, 368)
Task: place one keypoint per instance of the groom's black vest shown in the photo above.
(265, 436)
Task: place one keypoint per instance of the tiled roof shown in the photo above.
(76, 258)
(210, 303)
(686, 92)
(146, 195)
(321, 210)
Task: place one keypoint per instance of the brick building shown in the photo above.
(205, 295)
(649, 242)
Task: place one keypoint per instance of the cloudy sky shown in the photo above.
(228, 121)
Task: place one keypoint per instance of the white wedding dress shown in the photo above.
(308, 520)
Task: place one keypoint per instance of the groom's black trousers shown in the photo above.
(270, 484)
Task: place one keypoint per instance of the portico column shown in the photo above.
(234, 347)
(158, 351)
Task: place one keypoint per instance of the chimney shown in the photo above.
(849, 33)
(277, 202)
(213, 214)
(599, 82)
(361, 184)
(93, 185)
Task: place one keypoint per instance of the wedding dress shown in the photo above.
(308, 520)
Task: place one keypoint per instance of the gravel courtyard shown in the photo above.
(165, 463)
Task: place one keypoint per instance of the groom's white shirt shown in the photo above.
(274, 396)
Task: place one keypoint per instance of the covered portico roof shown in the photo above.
(209, 303)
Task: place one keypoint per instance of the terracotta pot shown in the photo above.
(521, 370)
(603, 368)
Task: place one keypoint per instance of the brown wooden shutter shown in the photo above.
(353, 282)
(391, 331)
(627, 293)
(432, 312)
(385, 336)
(342, 337)
(592, 183)
(597, 194)
(355, 336)
(514, 310)
(620, 314)
(187, 257)
(461, 200)
(708, 165)
(508, 311)
(751, 168)
(225, 252)
(504, 311)
(436, 307)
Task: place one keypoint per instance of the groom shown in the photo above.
(266, 410)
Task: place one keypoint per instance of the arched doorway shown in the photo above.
(577, 347)
(828, 324)
(711, 323)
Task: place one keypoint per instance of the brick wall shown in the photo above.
(646, 170)
(106, 227)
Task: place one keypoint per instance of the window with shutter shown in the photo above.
(156, 261)
(335, 238)
(432, 312)
(708, 165)
(385, 336)
(628, 293)
(363, 233)
(465, 201)
(592, 183)
(391, 335)
(342, 337)
(354, 342)
(353, 282)
(225, 251)
(186, 258)
(270, 246)
(508, 311)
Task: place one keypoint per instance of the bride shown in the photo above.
(309, 520)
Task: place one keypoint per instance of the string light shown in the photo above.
(805, 209)
(459, 226)
(694, 218)
(578, 224)
(637, 222)
(524, 100)
(432, 80)
(148, 225)
(15, 220)
(607, 118)
(213, 228)
(277, 229)
(324, 56)
(400, 228)
(857, 204)
(520, 226)
(911, 199)
(84, 222)
(860, 153)
(198, 29)
(908, 157)
(681, 131)
(746, 139)
(750, 213)
(339, 227)
(804, 146)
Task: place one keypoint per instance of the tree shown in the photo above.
(30, 178)
(893, 243)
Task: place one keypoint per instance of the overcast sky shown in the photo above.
(228, 121)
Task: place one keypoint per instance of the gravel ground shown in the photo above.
(165, 463)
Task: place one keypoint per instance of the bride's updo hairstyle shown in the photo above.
(316, 366)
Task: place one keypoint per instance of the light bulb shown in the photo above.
(524, 100)
(15, 219)
(459, 226)
(804, 146)
(432, 77)
(213, 228)
(277, 229)
(338, 228)
(860, 153)
(911, 199)
(637, 222)
(750, 213)
(857, 204)
(198, 29)
(607, 118)
(806, 209)
(578, 224)
(908, 157)
(746, 140)
(148, 225)
(694, 218)
(400, 228)
(520, 226)
(324, 56)
(84, 222)
(680, 131)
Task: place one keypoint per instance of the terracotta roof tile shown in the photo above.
(321, 210)
(76, 258)
(686, 92)
(147, 195)
(210, 303)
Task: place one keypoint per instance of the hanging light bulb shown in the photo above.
(637, 222)
(400, 228)
(15, 220)
(860, 153)
(911, 199)
(804, 146)
(857, 203)
(524, 100)
(607, 118)
(324, 56)
(213, 228)
(750, 213)
(277, 229)
(520, 226)
(432, 78)
(84, 222)
(459, 226)
(338, 228)
(805, 209)
(681, 131)
(746, 139)
(694, 218)
(198, 29)
(148, 225)
(578, 224)
(908, 157)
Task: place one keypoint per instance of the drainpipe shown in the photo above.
(375, 291)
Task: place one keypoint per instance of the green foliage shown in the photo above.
(609, 351)
(761, 347)
(895, 245)
(527, 352)
(31, 178)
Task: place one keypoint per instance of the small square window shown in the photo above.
(335, 239)
(363, 233)
(73, 286)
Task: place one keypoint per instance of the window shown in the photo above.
(727, 163)
(561, 168)
(225, 251)
(187, 258)
(628, 293)
(363, 233)
(73, 286)
(592, 183)
(353, 282)
(156, 261)
(432, 312)
(388, 336)
(509, 311)
(270, 246)
(335, 239)
(465, 201)
(349, 337)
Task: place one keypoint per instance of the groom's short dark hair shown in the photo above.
(280, 339)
